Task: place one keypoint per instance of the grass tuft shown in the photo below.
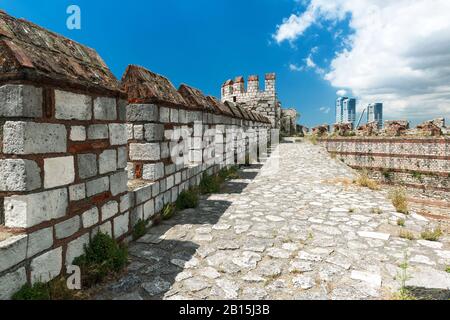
(404, 234)
(102, 257)
(399, 200)
(432, 235)
(54, 290)
(363, 180)
(187, 199)
(139, 229)
(401, 222)
(168, 211)
(210, 184)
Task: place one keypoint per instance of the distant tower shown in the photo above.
(346, 110)
(375, 114)
(340, 109)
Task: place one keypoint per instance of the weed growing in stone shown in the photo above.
(312, 138)
(377, 211)
(363, 180)
(403, 293)
(401, 222)
(351, 210)
(209, 184)
(102, 257)
(54, 290)
(399, 200)
(432, 235)
(139, 229)
(187, 199)
(168, 211)
(447, 269)
(405, 234)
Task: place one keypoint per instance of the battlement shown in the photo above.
(236, 90)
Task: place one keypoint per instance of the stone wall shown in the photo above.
(416, 162)
(82, 153)
(253, 98)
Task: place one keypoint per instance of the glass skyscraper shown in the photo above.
(375, 114)
(346, 110)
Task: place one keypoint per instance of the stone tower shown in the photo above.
(263, 101)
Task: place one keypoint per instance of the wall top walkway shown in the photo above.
(33, 54)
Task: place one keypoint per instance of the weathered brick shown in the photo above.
(121, 225)
(122, 157)
(19, 175)
(77, 192)
(11, 282)
(58, 171)
(33, 138)
(142, 112)
(145, 151)
(20, 101)
(46, 267)
(174, 115)
(72, 106)
(138, 132)
(29, 210)
(149, 209)
(87, 165)
(164, 115)
(105, 108)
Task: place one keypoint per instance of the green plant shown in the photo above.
(351, 210)
(399, 200)
(54, 290)
(312, 138)
(168, 211)
(447, 269)
(228, 173)
(102, 257)
(139, 229)
(187, 199)
(387, 175)
(432, 235)
(209, 184)
(402, 276)
(363, 180)
(401, 222)
(405, 234)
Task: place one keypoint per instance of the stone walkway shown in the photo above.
(303, 232)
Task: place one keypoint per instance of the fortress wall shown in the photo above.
(77, 158)
(416, 162)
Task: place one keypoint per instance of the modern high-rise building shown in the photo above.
(375, 114)
(346, 110)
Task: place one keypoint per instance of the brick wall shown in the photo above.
(416, 162)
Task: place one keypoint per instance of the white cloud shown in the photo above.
(294, 67)
(398, 52)
(341, 93)
(325, 110)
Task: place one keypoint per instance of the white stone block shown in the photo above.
(145, 151)
(106, 228)
(33, 138)
(118, 134)
(105, 108)
(121, 225)
(12, 251)
(67, 228)
(98, 132)
(58, 171)
(72, 106)
(29, 210)
(153, 171)
(108, 161)
(19, 175)
(46, 267)
(87, 165)
(39, 241)
(12, 282)
(77, 192)
(78, 133)
(122, 157)
(90, 218)
(20, 101)
(119, 183)
(109, 210)
(154, 132)
(138, 132)
(75, 248)
(142, 112)
(97, 186)
(149, 209)
(164, 115)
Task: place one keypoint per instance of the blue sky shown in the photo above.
(205, 42)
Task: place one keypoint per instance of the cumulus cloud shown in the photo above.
(341, 93)
(296, 68)
(398, 52)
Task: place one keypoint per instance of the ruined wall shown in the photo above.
(70, 141)
(413, 161)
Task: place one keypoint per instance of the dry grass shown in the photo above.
(399, 200)
(401, 222)
(405, 234)
(432, 235)
(363, 180)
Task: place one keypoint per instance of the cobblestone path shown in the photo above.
(302, 232)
